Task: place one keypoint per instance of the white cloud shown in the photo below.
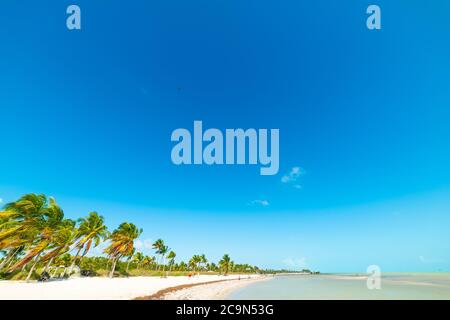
(424, 259)
(295, 262)
(148, 244)
(293, 176)
(145, 244)
(138, 244)
(263, 203)
(1, 200)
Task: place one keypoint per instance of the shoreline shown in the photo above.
(212, 290)
(98, 288)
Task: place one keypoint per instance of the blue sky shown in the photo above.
(87, 117)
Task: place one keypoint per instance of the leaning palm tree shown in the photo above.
(20, 224)
(91, 231)
(122, 243)
(63, 238)
(42, 226)
(225, 264)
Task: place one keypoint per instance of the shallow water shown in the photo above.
(397, 286)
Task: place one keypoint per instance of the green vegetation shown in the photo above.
(286, 271)
(36, 240)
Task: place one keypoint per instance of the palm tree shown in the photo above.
(182, 266)
(195, 262)
(225, 264)
(138, 258)
(232, 265)
(91, 231)
(122, 243)
(158, 246)
(163, 251)
(20, 222)
(171, 256)
(203, 260)
(63, 238)
(148, 261)
(38, 220)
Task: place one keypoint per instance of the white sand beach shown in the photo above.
(122, 288)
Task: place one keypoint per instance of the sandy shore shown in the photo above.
(210, 291)
(120, 288)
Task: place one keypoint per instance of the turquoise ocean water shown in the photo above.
(397, 286)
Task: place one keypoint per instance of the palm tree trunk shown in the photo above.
(111, 274)
(48, 265)
(74, 260)
(54, 272)
(9, 257)
(10, 262)
(32, 268)
(81, 258)
(128, 266)
(163, 267)
(158, 264)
